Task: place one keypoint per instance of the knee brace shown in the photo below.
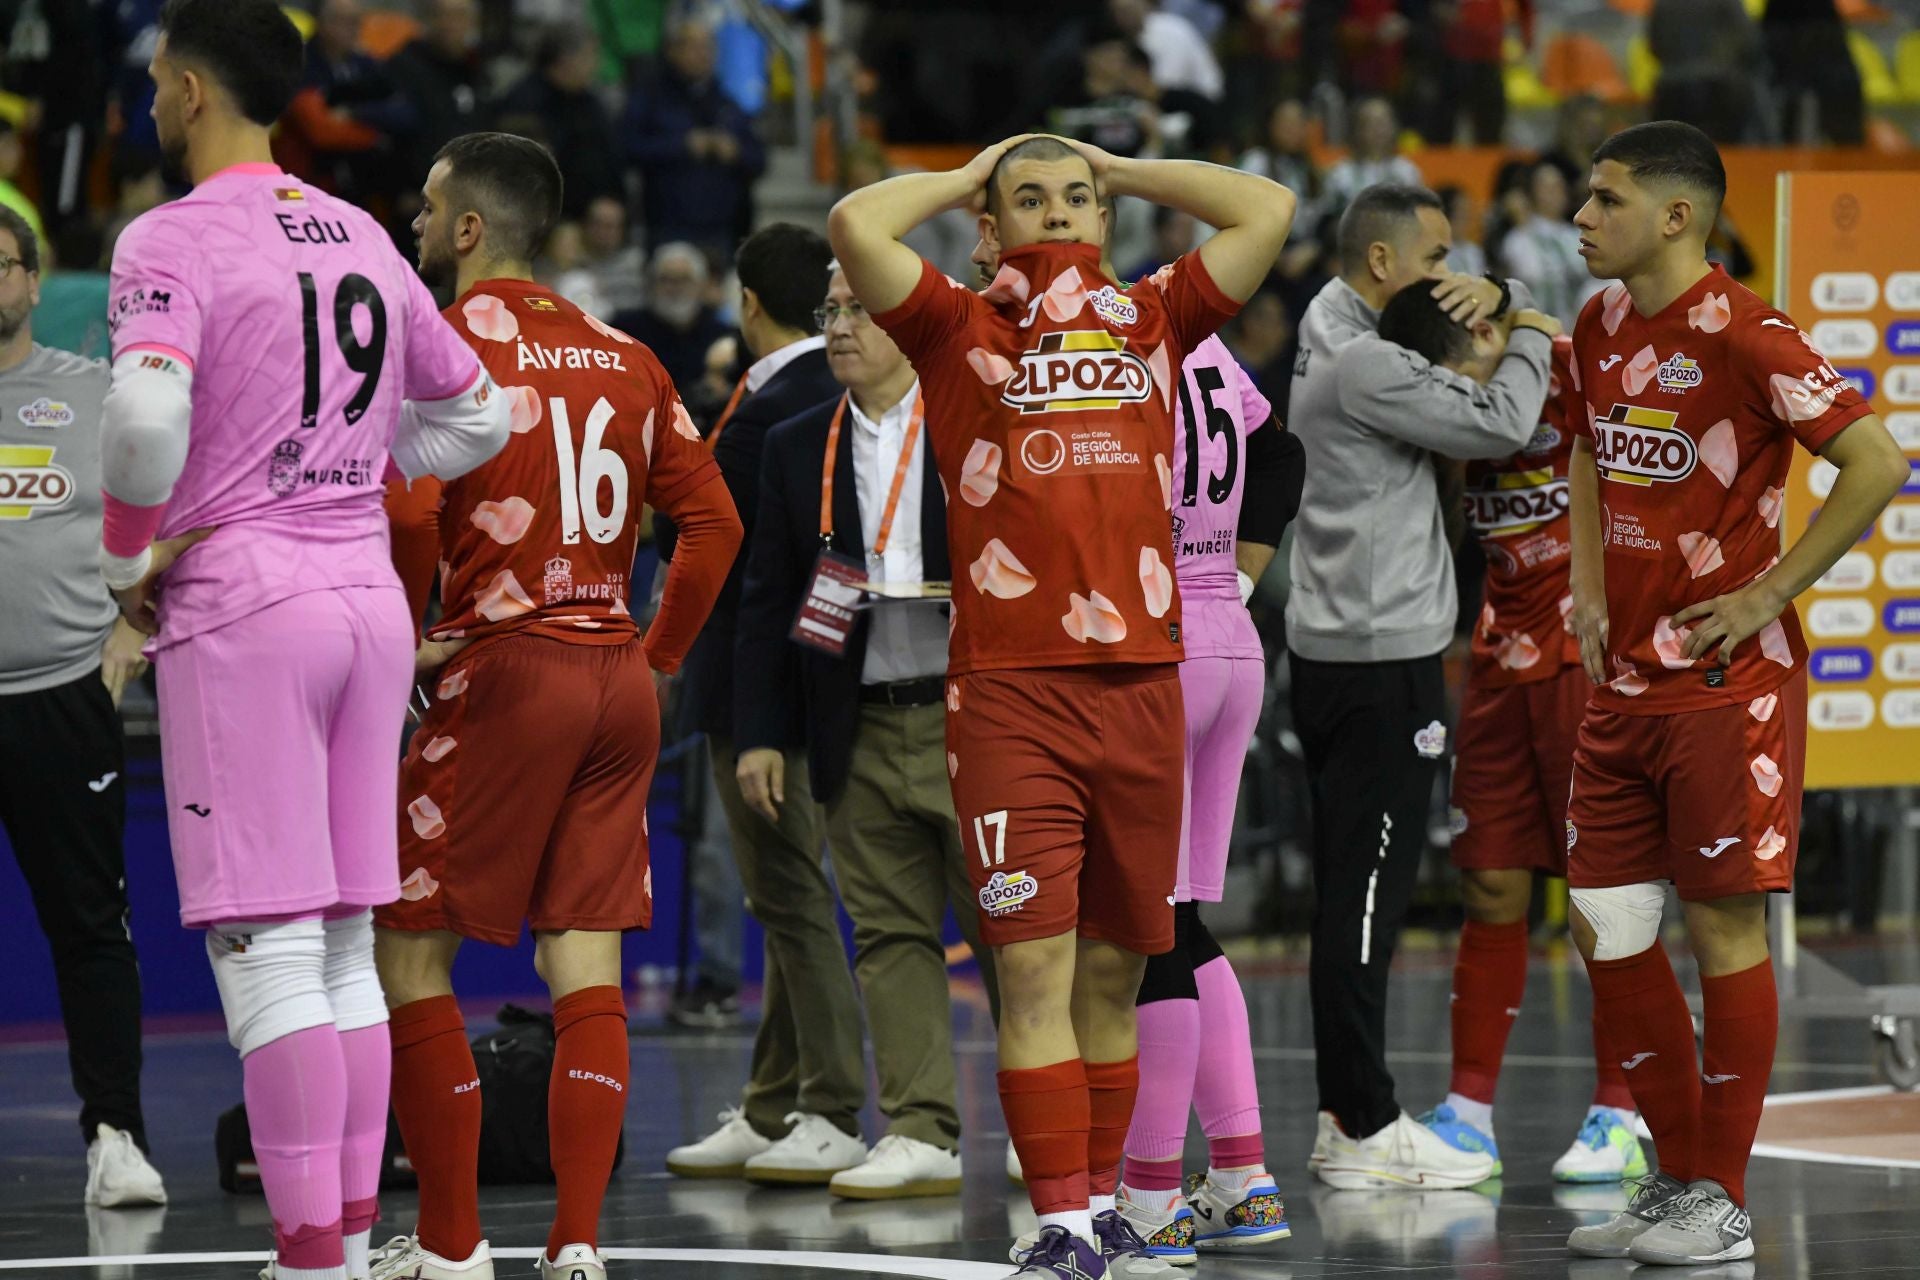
(272, 980)
(1202, 949)
(1625, 918)
(353, 985)
(1169, 976)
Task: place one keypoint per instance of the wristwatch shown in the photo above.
(1506, 296)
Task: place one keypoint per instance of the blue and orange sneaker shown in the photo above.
(1224, 1218)
(1461, 1135)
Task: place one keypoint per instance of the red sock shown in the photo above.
(436, 1098)
(1111, 1088)
(586, 1103)
(1609, 1081)
(1489, 978)
(1743, 1024)
(1047, 1110)
(1647, 1022)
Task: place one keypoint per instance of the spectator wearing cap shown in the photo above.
(556, 104)
(695, 148)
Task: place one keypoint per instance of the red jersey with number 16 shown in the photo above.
(1693, 414)
(541, 539)
(1050, 413)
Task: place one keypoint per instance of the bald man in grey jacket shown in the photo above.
(1373, 607)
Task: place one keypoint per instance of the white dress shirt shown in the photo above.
(773, 362)
(905, 641)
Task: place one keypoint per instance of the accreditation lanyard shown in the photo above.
(899, 474)
(726, 414)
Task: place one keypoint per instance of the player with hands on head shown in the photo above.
(1065, 617)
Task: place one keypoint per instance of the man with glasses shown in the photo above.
(65, 658)
(846, 490)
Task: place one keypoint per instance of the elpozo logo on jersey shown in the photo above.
(1518, 502)
(1643, 446)
(1678, 373)
(30, 482)
(1077, 370)
(46, 413)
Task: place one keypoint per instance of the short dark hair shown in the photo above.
(1413, 318)
(1042, 147)
(784, 265)
(12, 220)
(1376, 214)
(512, 183)
(249, 46)
(1669, 152)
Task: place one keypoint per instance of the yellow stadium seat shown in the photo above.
(1524, 90)
(1643, 69)
(1906, 65)
(1876, 81)
(302, 20)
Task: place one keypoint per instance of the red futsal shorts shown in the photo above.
(1513, 759)
(524, 793)
(1707, 799)
(1067, 782)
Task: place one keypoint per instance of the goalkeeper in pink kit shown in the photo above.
(272, 352)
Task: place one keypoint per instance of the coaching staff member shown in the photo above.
(65, 657)
(1372, 608)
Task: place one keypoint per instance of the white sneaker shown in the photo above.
(1406, 1155)
(576, 1262)
(402, 1258)
(723, 1153)
(812, 1152)
(900, 1167)
(118, 1175)
(1015, 1174)
(1325, 1131)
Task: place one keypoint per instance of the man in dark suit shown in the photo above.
(806, 1056)
(875, 722)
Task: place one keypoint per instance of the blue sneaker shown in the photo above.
(1462, 1136)
(1058, 1254)
(1607, 1151)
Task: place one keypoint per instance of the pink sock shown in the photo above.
(296, 1091)
(369, 1058)
(1224, 1091)
(1169, 1055)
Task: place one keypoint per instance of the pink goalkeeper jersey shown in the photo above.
(305, 330)
(1219, 408)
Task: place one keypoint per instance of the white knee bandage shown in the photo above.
(272, 980)
(352, 983)
(1625, 919)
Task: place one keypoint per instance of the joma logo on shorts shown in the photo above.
(1007, 891)
(1083, 369)
(1642, 446)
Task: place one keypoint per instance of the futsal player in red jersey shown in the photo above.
(1689, 762)
(523, 796)
(1065, 730)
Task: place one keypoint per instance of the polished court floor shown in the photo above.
(1811, 1218)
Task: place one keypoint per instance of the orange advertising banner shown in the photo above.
(1848, 270)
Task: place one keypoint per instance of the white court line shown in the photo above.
(1775, 1152)
(870, 1263)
